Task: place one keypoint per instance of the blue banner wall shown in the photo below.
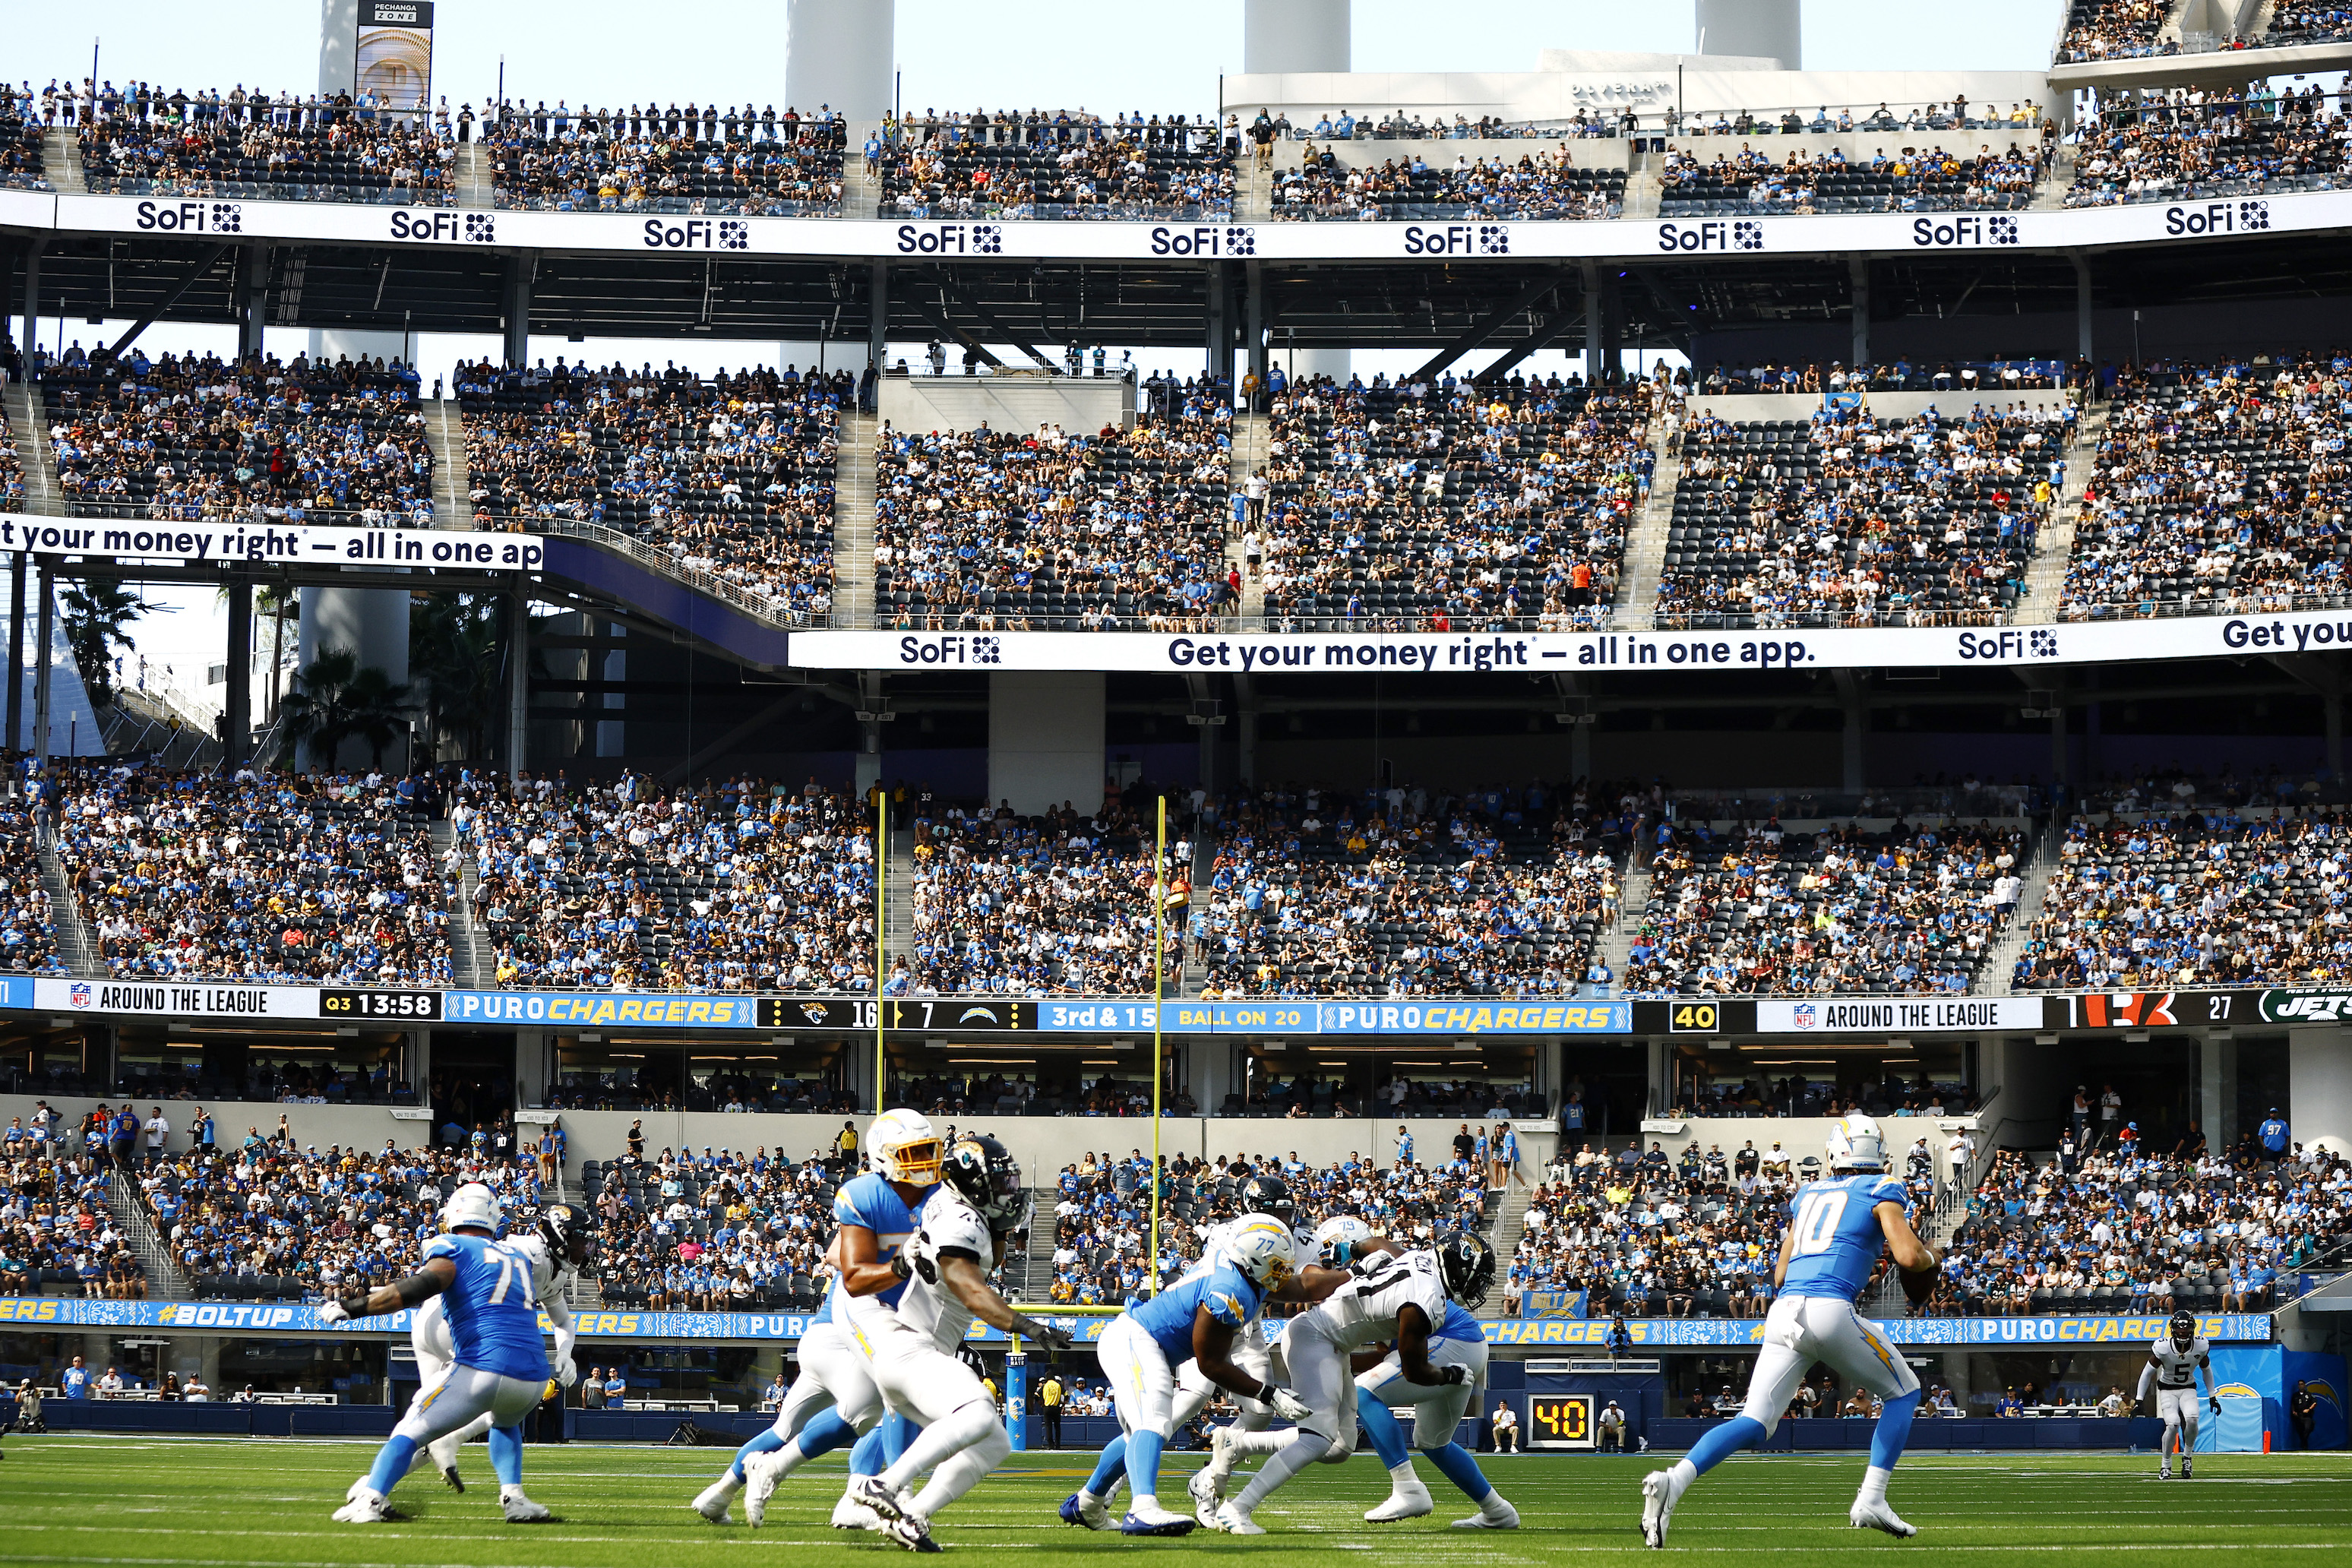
(2325, 1375)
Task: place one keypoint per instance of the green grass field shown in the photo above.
(148, 1503)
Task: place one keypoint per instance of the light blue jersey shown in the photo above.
(871, 1201)
(492, 1314)
(1168, 1317)
(1458, 1325)
(1838, 1239)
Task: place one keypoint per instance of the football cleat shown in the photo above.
(1494, 1514)
(712, 1504)
(1402, 1503)
(1155, 1521)
(1659, 1495)
(362, 1505)
(1879, 1516)
(1234, 1521)
(2186, 1472)
(1085, 1511)
(452, 1479)
(877, 1494)
(1207, 1495)
(521, 1510)
(912, 1533)
(851, 1515)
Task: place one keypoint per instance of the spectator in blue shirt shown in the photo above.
(74, 1382)
(2275, 1135)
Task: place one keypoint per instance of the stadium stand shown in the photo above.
(1846, 520)
(291, 878)
(1051, 530)
(2202, 894)
(28, 942)
(627, 886)
(1054, 165)
(2293, 23)
(718, 1232)
(2192, 144)
(1452, 506)
(712, 159)
(1545, 184)
(2216, 489)
(2115, 29)
(21, 152)
(183, 438)
(1503, 897)
(58, 1234)
(1913, 179)
(1906, 911)
(1062, 903)
(1810, 379)
(253, 146)
(2126, 1230)
(731, 477)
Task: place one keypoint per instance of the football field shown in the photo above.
(148, 1504)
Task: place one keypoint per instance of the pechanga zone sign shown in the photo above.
(223, 543)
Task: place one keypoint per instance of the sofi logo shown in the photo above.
(1457, 239)
(1204, 239)
(697, 234)
(192, 218)
(1737, 234)
(1963, 232)
(950, 239)
(2219, 217)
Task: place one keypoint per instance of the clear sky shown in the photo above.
(1061, 52)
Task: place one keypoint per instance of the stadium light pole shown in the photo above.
(1158, 998)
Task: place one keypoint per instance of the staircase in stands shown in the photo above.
(2045, 577)
(165, 1279)
(852, 522)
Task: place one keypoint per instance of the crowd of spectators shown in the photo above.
(1320, 893)
(648, 159)
(2194, 894)
(1545, 183)
(740, 886)
(21, 150)
(1811, 379)
(208, 147)
(732, 478)
(1054, 530)
(2125, 1229)
(1052, 164)
(2115, 29)
(1102, 1210)
(265, 442)
(1032, 905)
(1848, 520)
(1451, 505)
(714, 1232)
(29, 938)
(2302, 22)
(1598, 122)
(1700, 1093)
(2216, 489)
(1909, 911)
(1913, 179)
(291, 878)
(2195, 143)
(58, 1233)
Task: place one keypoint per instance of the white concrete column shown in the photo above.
(1045, 735)
(1302, 36)
(339, 45)
(840, 52)
(2319, 1087)
(2218, 1091)
(1768, 29)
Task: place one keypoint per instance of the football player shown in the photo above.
(1828, 1253)
(499, 1362)
(557, 1248)
(961, 1234)
(1399, 1297)
(2173, 1364)
(1259, 1195)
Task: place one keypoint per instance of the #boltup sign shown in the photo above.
(222, 542)
(1202, 240)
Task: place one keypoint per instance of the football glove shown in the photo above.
(1047, 1337)
(923, 1254)
(1285, 1404)
(332, 1313)
(1450, 1375)
(566, 1372)
(2215, 1401)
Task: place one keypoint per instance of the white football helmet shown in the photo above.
(1340, 1240)
(473, 1204)
(1857, 1144)
(904, 1147)
(1260, 1246)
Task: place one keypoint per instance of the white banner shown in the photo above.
(177, 999)
(218, 541)
(1894, 1015)
(1242, 652)
(960, 238)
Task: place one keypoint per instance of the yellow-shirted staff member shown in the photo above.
(1049, 1394)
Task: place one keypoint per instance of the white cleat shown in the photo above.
(2165, 1474)
(1659, 1495)
(876, 1494)
(1234, 1521)
(2187, 1473)
(1494, 1514)
(362, 1505)
(1221, 1457)
(1402, 1504)
(850, 1514)
(1208, 1495)
(712, 1504)
(763, 1476)
(521, 1510)
(1879, 1516)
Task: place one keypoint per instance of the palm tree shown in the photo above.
(334, 700)
(452, 655)
(95, 611)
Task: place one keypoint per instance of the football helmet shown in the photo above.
(1260, 1246)
(473, 1207)
(983, 1172)
(1268, 1194)
(1338, 1240)
(2183, 1328)
(1466, 1265)
(1857, 1144)
(904, 1147)
(567, 1232)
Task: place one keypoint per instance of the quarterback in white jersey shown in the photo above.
(979, 1200)
(1399, 1297)
(557, 1246)
(2173, 1364)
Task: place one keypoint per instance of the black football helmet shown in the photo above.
(983, 1172)
(1466, 1264)
(569, 1234)
(2183, 1328)
(1269, 1194)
